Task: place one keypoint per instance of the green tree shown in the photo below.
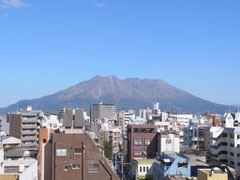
(107, 149)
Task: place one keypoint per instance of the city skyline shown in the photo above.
(190, 45)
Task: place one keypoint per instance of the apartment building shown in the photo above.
(103, 111)
(223, 144)
(114, 138)
(24, 125)
(142, 141)
(77, 157)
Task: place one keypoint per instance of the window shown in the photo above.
(231, 154)
(77, 151)
(238, 164)
(140, 169)
(144, 169)
(76, 166)
(65, 168)
(147, 141)
(44, 140)
(137, 153)
(231, 135)
(238, 136)
(147, 169)
(238, 155)
(93, 168)
(232, 145)
(182, 165)
(61, 152)
(137, 142)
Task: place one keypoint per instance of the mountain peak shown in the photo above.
(129, 93)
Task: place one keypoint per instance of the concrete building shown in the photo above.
(8, 141)
(190, 136)
(171, 163)
(76, 157)
(103, 111)
(142, 141)
(50, 121)
(223, 144)
(73, 121)
(44, 154)
(20, 170)
(141, 169)
(167, 143)
(24, 125)
(114, 138)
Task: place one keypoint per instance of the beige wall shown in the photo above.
(203, 174)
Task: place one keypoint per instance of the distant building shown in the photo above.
(167, 143)
(190, 136)
(142, 141)
(73, 121)
(24, 125)
(103, 111)
(76, 157)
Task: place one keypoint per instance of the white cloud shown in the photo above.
(13, 3)
(99, 4)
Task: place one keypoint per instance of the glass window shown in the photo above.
(65, 168)
(76, 166)
(147, 169)
(78, 151)
(144, 169)
(137, 153)
(140, 169)
(147, 141)
(61, 152)
(93, 168)
(137, 142)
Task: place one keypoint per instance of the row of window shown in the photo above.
(144, 169)
(92, 167)
(139, 142)
(63, 152)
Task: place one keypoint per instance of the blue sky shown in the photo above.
(47, 46)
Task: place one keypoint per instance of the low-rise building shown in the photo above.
(142, 141)
(171, 163)
(212, 174)
(142, 169)
(8, 141)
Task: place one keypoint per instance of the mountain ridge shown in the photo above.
(129, 93)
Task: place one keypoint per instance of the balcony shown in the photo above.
(29, 138)
(29, 132)
(29, 120)
(32, 126)
(218, 150)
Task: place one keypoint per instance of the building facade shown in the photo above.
(142, 141)
(103, 111)
(76, 157)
